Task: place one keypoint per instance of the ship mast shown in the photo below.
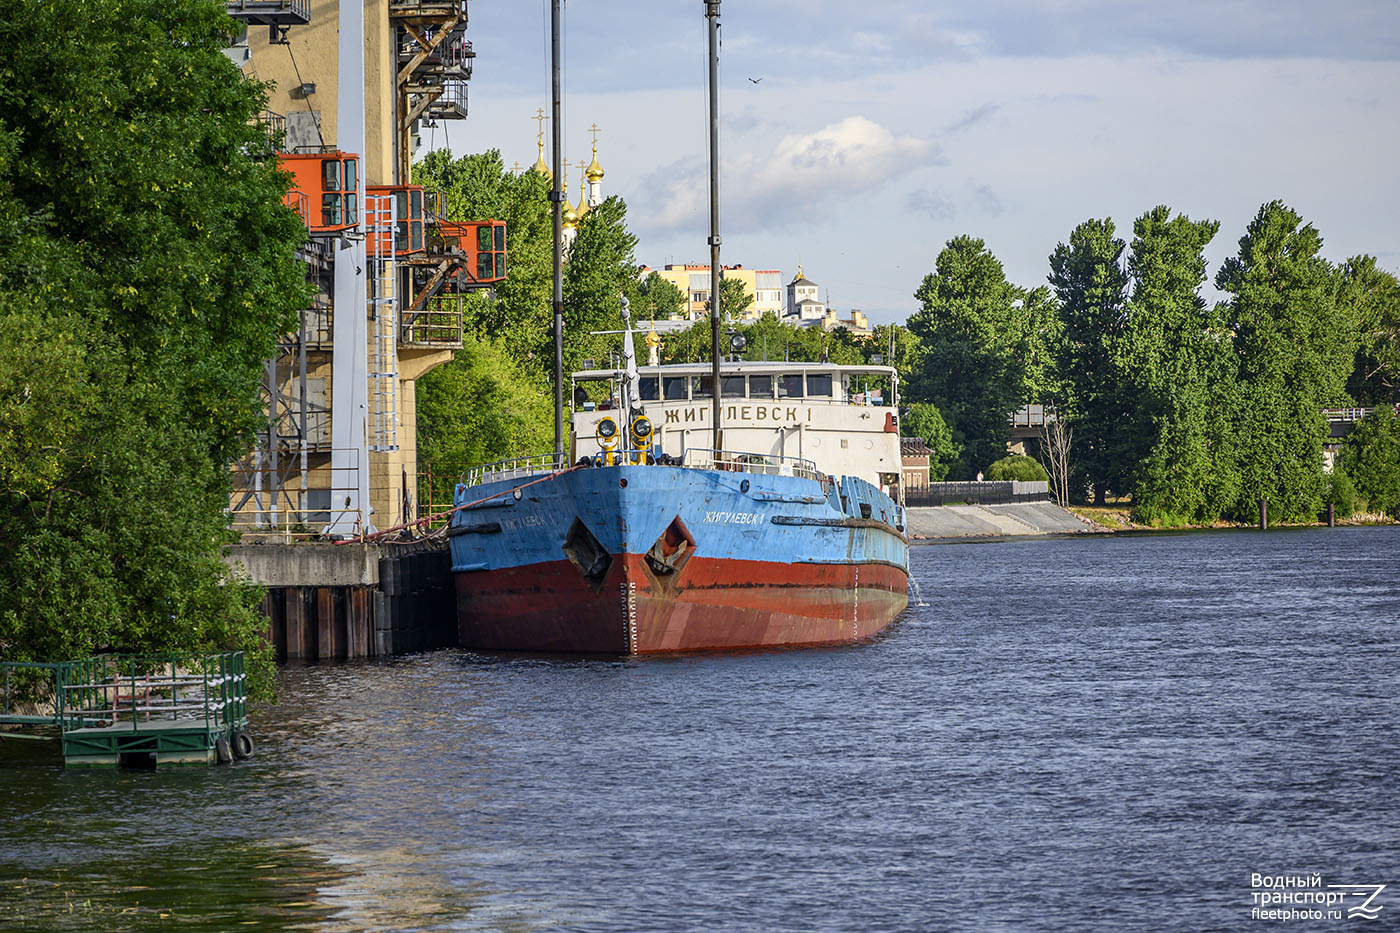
(712, 15)
(556, 196)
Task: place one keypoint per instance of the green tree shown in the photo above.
(1372, 296)
(510, 348)
(600, 272)
(658, 300)
(147, 266)
(733, 301)
(1091, 285)
(1296, 346)
(516, 314)
(1017, 467)
(924, 421)
(978, 334)
(1176, 453)
(483, 406)
(1370, 456)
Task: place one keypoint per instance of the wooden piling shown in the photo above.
(358, 642)
(325, 624)
(301, 636)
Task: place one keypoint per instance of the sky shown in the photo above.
(877, 131)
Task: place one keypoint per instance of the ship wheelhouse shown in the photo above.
(842, 418)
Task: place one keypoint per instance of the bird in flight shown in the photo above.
(755, 80)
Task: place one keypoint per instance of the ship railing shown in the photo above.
(702, 458)
(512, 469)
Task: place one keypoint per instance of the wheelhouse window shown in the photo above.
(649, 389)
(702, 386)
(790, 386)
(819, 384)
(760, 387)
(674, 388)
(732, 386)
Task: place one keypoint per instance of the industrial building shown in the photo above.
(352, 85)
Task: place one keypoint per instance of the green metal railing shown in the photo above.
(127, 690)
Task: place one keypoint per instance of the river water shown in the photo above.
(1107, 732)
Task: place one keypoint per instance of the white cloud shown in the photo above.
(798, 179)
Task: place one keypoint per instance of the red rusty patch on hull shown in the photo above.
(719, 604)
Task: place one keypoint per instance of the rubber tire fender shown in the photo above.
(223, 753)
(242, 745)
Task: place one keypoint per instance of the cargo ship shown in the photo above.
(688, 507)
(643, 540)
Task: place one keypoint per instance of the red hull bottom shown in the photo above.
(709, 605)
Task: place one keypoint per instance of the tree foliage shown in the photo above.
(517, 313)
(1371, 458)
(147, 266)
(1017, 467)
(924, 421)
(1372, 297)
(494, 400)
(658, 299)
(1177, 455)
(980, 338)
(601, 271)
(482, 407)
(1091, 285)
(1296, 346)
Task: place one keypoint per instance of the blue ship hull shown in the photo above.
(642, 559)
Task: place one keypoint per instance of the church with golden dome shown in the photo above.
(590, 183)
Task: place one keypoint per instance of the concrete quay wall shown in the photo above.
(993, 521)
(330, 602)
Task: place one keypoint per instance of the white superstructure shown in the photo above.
(842, 418)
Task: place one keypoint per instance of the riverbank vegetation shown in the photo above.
(1190, 410)
(147, 266)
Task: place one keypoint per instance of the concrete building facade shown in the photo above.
(764, 286)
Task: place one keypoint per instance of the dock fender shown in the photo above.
(223, 753)
(242, 745)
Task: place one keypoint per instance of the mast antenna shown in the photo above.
(556, 195)
(712, 15)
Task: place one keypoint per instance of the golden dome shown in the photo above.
(570, 215)
(541, 165)
(594, 172)
(582, 198)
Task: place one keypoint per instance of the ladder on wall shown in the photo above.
(380, 226)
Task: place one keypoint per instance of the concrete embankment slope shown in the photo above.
(992, 521)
